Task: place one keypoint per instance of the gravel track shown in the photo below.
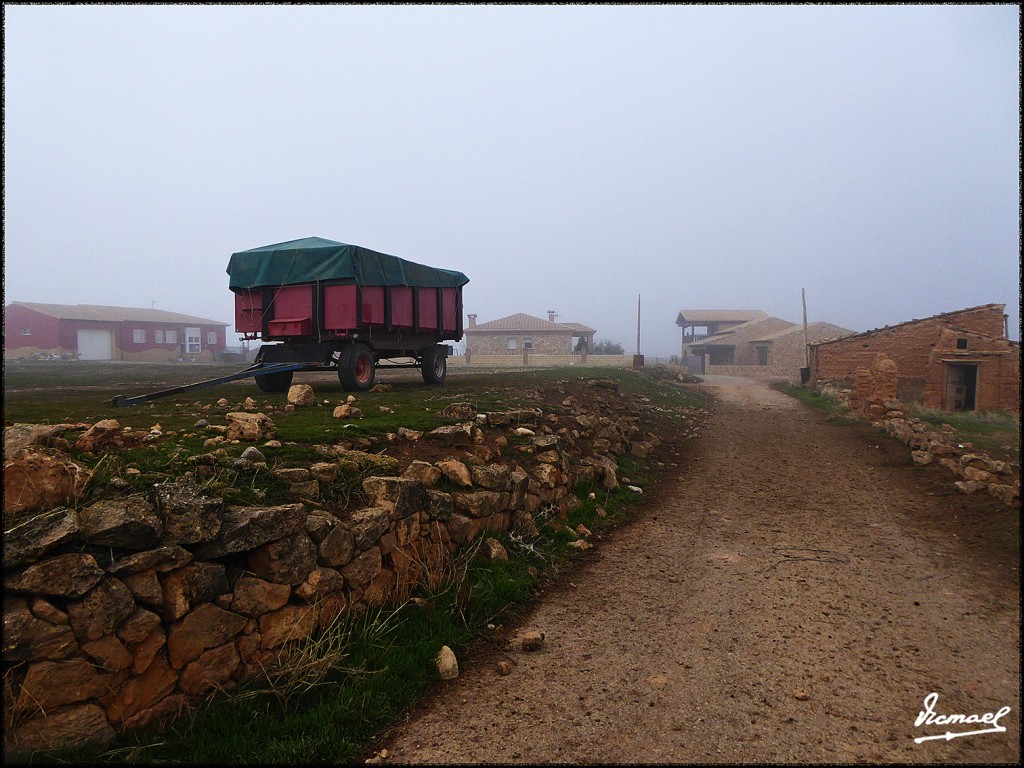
(792, 596)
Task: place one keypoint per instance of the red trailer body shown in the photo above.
(332, 311)
(340, 306)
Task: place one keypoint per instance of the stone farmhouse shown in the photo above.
(766, 347)
(955, 361)
(90, 332)
(519, 333)
(698, 324)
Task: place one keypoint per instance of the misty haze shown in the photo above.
(564, 158)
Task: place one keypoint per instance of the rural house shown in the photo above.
(517, 333)
(90, 332)
(698, 324)
(732, 347)
(955, 361)
(765, 348)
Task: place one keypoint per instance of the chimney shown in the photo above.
(472, 321)
(551, 315)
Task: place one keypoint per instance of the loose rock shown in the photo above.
(532, 639)
(447, 664)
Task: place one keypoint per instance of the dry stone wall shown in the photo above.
(120, 612)
(873, 397)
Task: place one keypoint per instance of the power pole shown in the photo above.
(638, 323)
(807, 348)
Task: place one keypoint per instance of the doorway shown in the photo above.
(961, 386)
(95, 344)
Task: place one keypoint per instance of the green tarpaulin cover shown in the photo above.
(314, 259)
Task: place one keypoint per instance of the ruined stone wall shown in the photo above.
(973, 471)
(120, 612)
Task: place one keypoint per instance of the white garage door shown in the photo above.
(94, 344)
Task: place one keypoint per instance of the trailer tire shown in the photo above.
(434, 365)
(274, 382)
(356, 368)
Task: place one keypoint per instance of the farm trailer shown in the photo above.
(330, 306)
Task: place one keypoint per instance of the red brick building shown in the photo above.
(89, 332)
(954, 361)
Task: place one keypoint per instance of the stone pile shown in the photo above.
(119, 612)
(944, 445)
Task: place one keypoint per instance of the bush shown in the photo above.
(605, 347)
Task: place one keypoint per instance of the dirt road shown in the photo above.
(793, 598)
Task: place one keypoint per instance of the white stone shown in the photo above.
(447, 664)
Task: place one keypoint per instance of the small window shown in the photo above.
(26, 331)
(211, 337)
(527, 342)
(139, 335)
(961, 343)
(158, 337)
(171, 337)
(510, 344)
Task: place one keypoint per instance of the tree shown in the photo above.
(605, 347)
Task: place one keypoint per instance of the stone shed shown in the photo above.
(955, 361)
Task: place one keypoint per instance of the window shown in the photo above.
(192, 341)
(158, 337)
(26, 331)
(720, 355)
(527, 342)
(961, 343)
(139, 335)
(211, 337)
(511, 344)
(171, 337)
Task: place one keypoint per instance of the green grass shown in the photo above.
(837, 412)
(997, 432)
(972, 423)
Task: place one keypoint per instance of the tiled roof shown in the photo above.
(743, 332)
(701, 316)
(917, 320)
(523, 322)
(112, 314)
(820, 330)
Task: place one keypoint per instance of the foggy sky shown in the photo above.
(566, 158)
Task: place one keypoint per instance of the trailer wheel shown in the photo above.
(434, 365)
(356, 368)
(274, 382)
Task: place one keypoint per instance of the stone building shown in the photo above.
(958, 361)
(733, 346)
(698, 324)
(520, 333)
(765, 348)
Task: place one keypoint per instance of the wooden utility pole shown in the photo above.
(638, 323)
(638, 359)
(807, 348)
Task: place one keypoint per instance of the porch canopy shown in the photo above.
(315, 259)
